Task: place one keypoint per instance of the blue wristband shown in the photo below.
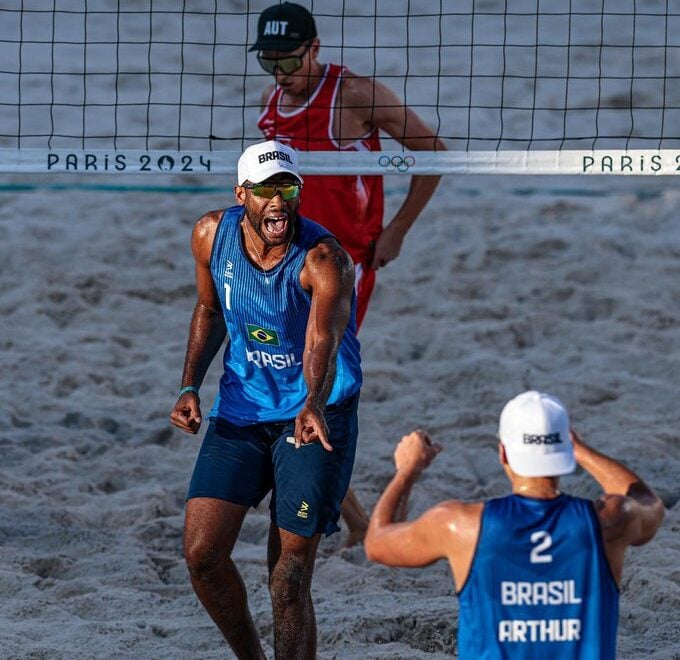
(189, 388)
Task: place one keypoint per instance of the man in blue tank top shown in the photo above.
(536, 572)
(285, 419)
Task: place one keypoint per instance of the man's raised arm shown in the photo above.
(421, 541)
(630, 511)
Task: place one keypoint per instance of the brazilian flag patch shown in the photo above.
(262, 335)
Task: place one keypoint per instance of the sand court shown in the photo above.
(559, 284)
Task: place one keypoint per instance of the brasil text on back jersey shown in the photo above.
(540, 586)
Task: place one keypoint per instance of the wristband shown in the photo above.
(189, 388)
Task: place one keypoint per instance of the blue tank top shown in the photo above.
(266, 317)
(540, 585)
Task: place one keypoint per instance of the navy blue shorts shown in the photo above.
(241, 464)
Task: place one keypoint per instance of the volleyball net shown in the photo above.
(510, 86)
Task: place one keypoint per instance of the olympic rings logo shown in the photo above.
(396, 163)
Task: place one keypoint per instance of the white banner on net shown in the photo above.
(100, 161)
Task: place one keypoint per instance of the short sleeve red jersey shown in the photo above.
(349, 206)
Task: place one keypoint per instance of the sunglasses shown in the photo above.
(269, 191)
(285, 65)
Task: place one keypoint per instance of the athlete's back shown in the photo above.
(536, 571)
(540, 585)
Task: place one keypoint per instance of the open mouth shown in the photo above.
(275, 227)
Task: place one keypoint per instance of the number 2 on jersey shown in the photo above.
(542, 541)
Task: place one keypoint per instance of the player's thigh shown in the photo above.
(233, 464)
(310, 482)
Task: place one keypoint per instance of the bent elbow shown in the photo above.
(660, 513)
(370, 555)
(370, 550)
(651, 526)
(373, 549)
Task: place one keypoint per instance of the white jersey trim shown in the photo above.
(308, 102)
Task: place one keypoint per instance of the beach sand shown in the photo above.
(569, 286)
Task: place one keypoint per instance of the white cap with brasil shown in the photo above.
(534, 429)
(265, 159)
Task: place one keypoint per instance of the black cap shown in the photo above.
(284, 27)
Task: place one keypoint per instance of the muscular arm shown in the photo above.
(630, 512)
(379, 107)
(629, 508)
(207, 330)
(449, 530)
(329, 276)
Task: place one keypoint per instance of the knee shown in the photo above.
(202, 558)
(289, 582)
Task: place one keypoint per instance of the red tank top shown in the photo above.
(351, 207)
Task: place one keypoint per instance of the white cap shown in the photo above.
(534, 429)
(260, 161)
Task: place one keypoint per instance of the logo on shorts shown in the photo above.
(304, 510)
(262, 335)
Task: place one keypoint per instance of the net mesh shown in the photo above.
(491, 75)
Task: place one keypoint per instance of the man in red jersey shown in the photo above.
(325, 107)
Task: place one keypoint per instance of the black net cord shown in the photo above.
(54, 35)
(83, 132)
(566, 82)
(308, 134)
(537, 19)
(470, 73)
(20, 77)
(117, 78)
(599, 78)
(148, 76)
(244, 77)
(503, 74)
(375, 60)
(212, 75)
(181, 79)
(406, 75)
(342, 64)
(439, 70)
(631, 104)
(665, 80)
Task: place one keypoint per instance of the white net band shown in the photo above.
(631, 162)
